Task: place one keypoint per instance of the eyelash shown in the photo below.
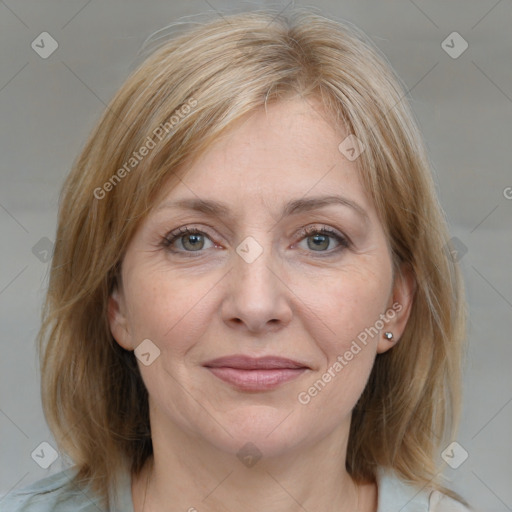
(344, 242)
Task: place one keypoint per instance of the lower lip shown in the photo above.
(257, 380)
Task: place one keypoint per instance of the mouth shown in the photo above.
(255, 374)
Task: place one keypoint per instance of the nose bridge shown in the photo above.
(253, 263)
(256, 295)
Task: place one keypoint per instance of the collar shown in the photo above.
(397, 495)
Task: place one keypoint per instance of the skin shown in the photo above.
(297, 300)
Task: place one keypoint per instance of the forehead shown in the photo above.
(272, 156)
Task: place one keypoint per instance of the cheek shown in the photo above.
(332, 394)
(346, 303)
(167, 310)
(346, 316)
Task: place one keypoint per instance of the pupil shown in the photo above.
(194, 241)
(321, 239)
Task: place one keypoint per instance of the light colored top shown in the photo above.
(393, 495)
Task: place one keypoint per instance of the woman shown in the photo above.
(251, 303)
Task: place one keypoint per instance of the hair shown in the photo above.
(207, 77)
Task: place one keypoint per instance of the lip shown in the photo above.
(255, 374)
(243, 362)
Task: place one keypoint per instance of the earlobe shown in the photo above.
(118, 321)
(399, 310)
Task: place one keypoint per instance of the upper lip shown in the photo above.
(243, 362)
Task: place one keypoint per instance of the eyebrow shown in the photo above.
(221, 210)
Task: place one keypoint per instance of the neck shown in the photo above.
(191, 474)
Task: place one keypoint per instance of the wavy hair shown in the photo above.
(208, 76)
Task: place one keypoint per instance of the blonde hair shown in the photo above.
(93, 396)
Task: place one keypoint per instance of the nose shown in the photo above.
(257, 296)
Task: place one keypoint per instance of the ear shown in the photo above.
(118, 320)
(399, 308)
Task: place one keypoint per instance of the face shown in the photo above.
(275, 272)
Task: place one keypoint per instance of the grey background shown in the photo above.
(464, 108)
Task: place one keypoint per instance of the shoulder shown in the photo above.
(54, 493)
(395, 493)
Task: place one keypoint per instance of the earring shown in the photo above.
(388, 335)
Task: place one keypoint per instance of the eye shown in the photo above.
(187, 238)
(319, 239)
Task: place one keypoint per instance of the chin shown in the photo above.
(264, 430)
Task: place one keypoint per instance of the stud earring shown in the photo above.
(388, 335)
